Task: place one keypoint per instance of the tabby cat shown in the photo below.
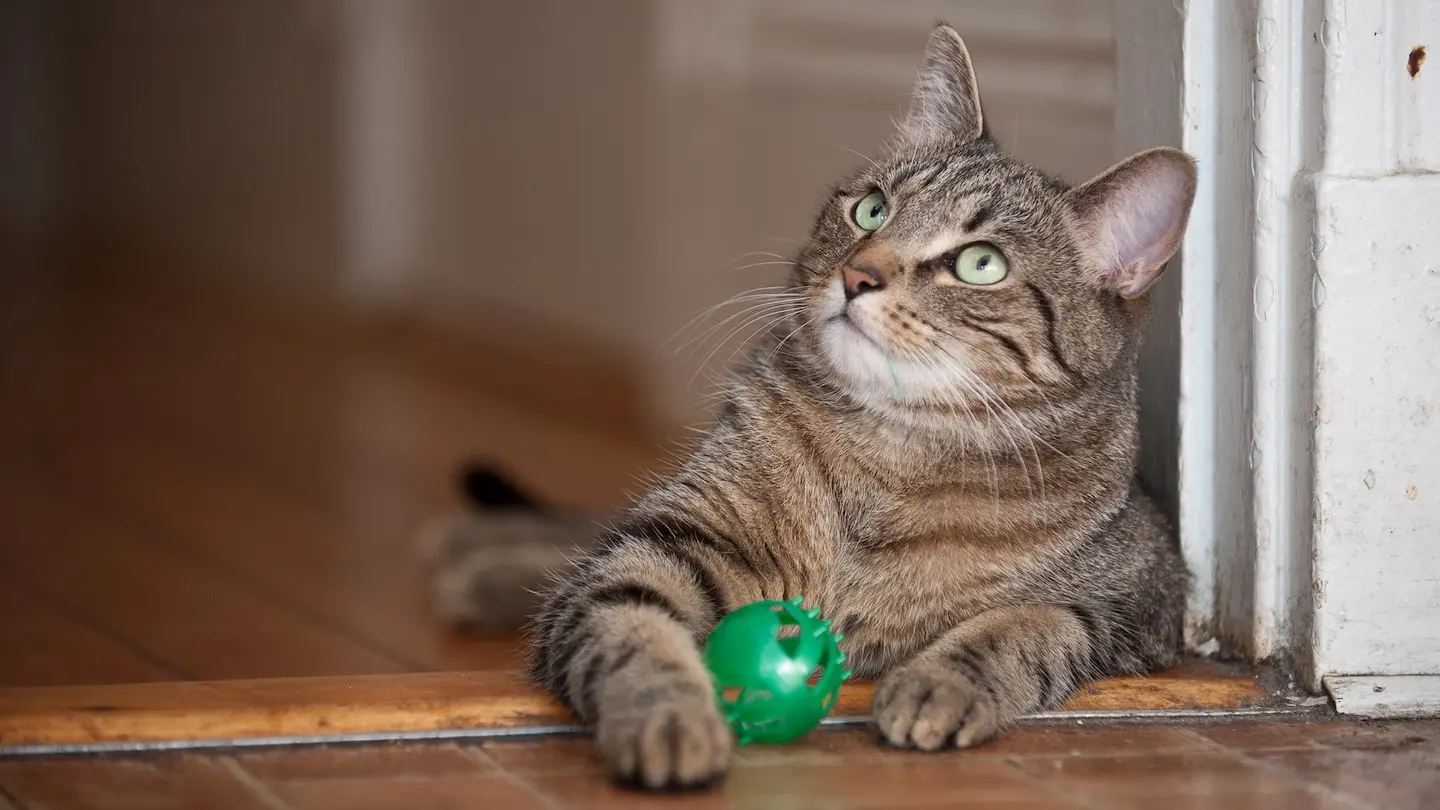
(936, 444)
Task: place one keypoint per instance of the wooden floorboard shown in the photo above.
(44, 645)
(447, 701)
(362, 580)
(195, 620)
(275, 469)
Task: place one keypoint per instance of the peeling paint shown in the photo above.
(1422, 415)
(1317, 292)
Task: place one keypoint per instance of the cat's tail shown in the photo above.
(490, 564)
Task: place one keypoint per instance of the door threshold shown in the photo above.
(1385, 696)
(477, 705)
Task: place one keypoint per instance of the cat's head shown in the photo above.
(948, 271)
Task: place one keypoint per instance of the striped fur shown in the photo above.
(948, 470)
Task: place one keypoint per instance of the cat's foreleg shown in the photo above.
(617, 642)
(986, 672)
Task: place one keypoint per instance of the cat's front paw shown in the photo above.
(679, 743)
(929, 707)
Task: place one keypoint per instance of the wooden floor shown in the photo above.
(1320, 765)
(191, 489)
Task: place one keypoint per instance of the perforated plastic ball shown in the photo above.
(777, 668)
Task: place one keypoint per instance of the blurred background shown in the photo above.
(273, 268)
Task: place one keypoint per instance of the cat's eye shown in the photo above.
(981, 264)
(870, 212)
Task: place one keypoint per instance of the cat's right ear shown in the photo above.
(946, 100)
(1132, 218)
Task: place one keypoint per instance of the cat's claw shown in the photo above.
(681, 744)
(931, 707)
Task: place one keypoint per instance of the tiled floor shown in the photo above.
(1320, 765)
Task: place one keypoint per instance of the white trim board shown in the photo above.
(1225, 377)
(1300, 454)
(1385, 695)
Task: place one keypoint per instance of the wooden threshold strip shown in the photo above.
(374, 706)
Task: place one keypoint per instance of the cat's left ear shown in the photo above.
(946, 101)
(1133, 217)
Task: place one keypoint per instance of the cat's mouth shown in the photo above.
(845, 323)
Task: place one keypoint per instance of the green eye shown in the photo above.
(870, 212)
(981, 264)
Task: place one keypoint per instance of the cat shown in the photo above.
(935, 443)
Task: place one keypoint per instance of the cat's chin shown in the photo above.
(871, 374)
(849, 330)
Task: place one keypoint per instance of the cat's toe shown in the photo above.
(677, 745)
(932, 707)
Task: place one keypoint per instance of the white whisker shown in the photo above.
(786, 263)
(755, 299)
(766, 319)
(796, 331)
(757, 293)
(746, 318)
(859, 154)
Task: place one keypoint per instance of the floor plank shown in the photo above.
(292, 458)
(196, 620)
(167, 783)
(45, 646)
(344, 572)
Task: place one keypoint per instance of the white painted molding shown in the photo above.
(1377, 398)
(1376, 356)
(1186, 76)
(1251, 104)
(1384, 120)
(1386, 695)
(1287, 141)
(1307, 474)
(1150, 46)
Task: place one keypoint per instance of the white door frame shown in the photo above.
(1294, 400)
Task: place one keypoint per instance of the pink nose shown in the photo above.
(859, 279)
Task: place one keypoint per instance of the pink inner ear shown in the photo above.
(1143, 224)
(1137, 215)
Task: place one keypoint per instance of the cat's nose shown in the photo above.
(856, 280)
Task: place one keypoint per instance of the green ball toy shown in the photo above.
(777, 669)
